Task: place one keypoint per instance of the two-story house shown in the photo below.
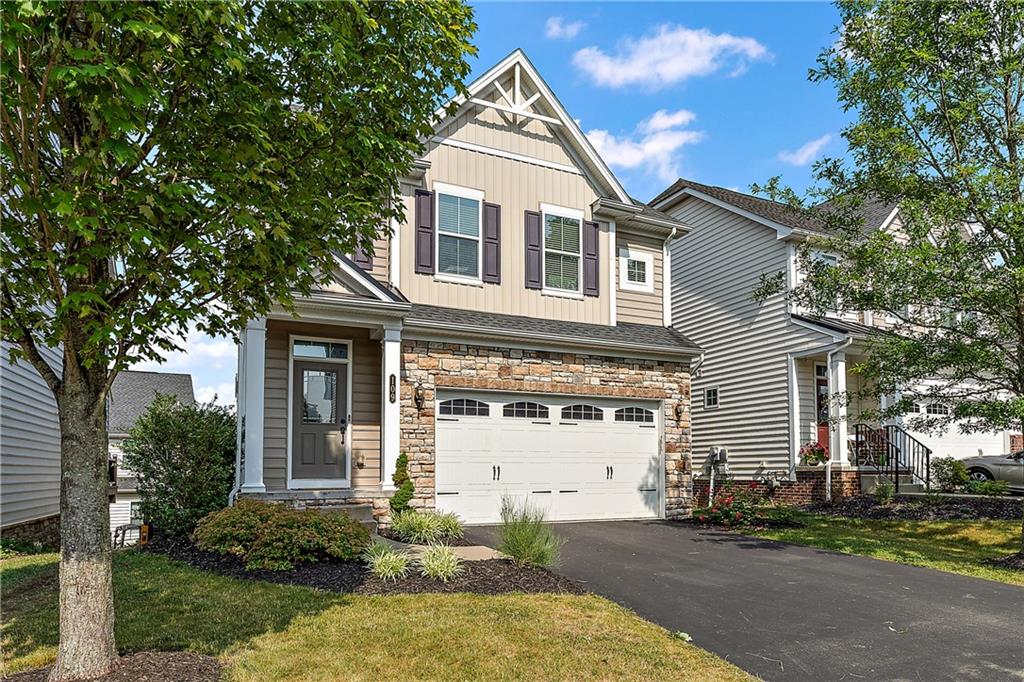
(771, 374)
(512, 336)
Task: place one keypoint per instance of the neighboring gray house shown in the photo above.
(130, 397)
(29, 450)
(770, 370)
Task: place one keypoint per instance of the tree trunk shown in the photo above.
(86, 592)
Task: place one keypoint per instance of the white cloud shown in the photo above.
(807, 153)
(211, 362)
(670, 55)
(557, 28)
(652, 147)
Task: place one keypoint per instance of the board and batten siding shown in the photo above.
(29, 441)
(517, 186)
(640, 306)
(366, 401)
(715, 270)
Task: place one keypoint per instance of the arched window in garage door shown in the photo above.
(634, 414)
(464, 407)
(526, 410)
(582, 413)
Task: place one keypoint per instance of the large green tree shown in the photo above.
(936, 92)
(168, 164)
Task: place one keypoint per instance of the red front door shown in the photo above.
(821, 403)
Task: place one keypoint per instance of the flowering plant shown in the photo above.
(813, 453)
(730, 508)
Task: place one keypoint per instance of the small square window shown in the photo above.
(636, 270)
(710, 398)
(821, 371)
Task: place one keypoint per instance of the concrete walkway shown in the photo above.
(786, 612)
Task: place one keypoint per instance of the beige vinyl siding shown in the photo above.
(381, 253)
(715, 269)
(640, 306)
(490, 128)
(29, 441)
(366, 401)
(516, 186)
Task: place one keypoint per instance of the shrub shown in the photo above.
(11, 547)
(275, 537)
(403, 484)
(440, 563)
(184, 459)
(424, 528)
(524, 536)
(386, 563)
(949, 473)
(731, 508)
(987, 487)
(884, 492)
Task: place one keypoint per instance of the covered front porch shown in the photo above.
(319, 399)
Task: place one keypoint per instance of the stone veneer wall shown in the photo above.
(808, 487)
(437, 365)
(45, 530)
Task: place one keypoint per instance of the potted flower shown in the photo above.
(813, 453)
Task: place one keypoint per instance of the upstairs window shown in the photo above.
(634, 414)
(464, 407)
(937, 409)
(525, 410)
(563, 237)
(582, 413)
(711, 398)
(459, 223)
(636, 270)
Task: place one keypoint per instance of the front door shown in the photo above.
(821, 404)
(320, 415)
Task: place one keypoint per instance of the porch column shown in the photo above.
(794, 416)
(391, 389)
(840, 445)
(254, 348)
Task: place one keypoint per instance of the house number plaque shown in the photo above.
(392, 388)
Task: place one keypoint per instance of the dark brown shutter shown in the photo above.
(492, 243)
(425, 232)
(591, 263)
(362, 258)
(533, 250)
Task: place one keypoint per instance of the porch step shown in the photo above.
(363, 513)
(869, 482)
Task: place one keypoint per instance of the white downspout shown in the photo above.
(831, 391)
(666, 279)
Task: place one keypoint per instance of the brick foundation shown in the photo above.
(45, 530)
(808, 487)
(1016, 442)
(433, 365)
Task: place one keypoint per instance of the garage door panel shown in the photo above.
(573, 469)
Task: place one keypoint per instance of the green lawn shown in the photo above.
(274, 632)
(954, 546)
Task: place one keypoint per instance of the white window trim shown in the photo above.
(561, 212)
(463, 193)
(627, 254)
(718, 398)
(318, 483)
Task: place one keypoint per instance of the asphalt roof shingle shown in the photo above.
(872, 211)
(646, 335)
(132, 393)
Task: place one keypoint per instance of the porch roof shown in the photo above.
(854, 329)
(624, 336)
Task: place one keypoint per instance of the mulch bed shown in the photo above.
(1014, 562)
(923, 509)
(453, 542)
(493, 576)
(148, 666)
(766, 524)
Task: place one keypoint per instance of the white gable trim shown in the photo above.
(355, 278)
(493, 151)
(518, 60)
(782, 231)
(888, 221)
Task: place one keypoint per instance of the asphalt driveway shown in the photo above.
(786, 612)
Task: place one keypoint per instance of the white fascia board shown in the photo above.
(356, 276)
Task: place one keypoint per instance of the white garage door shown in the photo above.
(578, 458)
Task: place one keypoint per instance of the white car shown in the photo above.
(1009, 468)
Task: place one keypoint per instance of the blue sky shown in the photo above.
(714, 92)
